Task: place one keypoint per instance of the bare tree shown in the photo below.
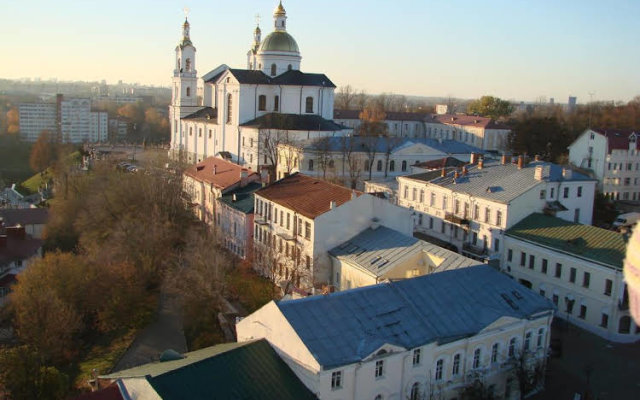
(345, 98)
(351, 160)
(361, 100)
(390, 144)
(288, 157)
(371, 145)
(528, 370)
(322, 148)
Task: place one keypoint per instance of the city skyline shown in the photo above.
(463, 50)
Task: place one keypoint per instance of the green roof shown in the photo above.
(248, 370)
(279, 41)
(584, 241)
(244, 197)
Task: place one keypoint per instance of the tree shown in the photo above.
(345, 98)
(24, 377)
(489, 106)
(539, 135)
(528, 370)
(13, 121)
(322, 147)
(372, 119)
(43, 152)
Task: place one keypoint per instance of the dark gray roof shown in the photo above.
(207, 113)
(378, 251)
(292, 77)
(244, 198)
(346, 327)
(385, 143)
(24, 216)
(502, 183)
(294, 122)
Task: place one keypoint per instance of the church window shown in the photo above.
(404, 166)
(276, 103)
(190, 131)
(262, 102)
(289, 67)
(309, 105)
(392, 165)
(273, 70)
(229, 108)
(379, 166)
(187, 65)
(188, 91)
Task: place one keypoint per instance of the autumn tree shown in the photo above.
(43, 152)
(13, 121)
(372, 119)
(23, 376)
(543, 136)
(489, 106)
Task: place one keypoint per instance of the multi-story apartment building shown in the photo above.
(235, 219)
(208, 180)
(68, 120)
(614, 157)
(578, 267)
(426, 337)
(472, 208)
(298, 219)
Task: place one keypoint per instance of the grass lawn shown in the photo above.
(36, 181)
(250, 289)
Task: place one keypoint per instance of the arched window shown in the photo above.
(262, 102)
(494, 353)
(276, 103)
(512, 347)
(392, 165)
(455, 370)
(625, 324)
(229, 108)
(439, 368)
(289, 67)
(476, 359)
(379, 166)
(188, 92)
(415, 391)
(404, 165)
(273, 70)
(187, 65)
(309, 105)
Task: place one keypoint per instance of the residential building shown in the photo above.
(32, 219)
(235, 219)
(229, 371)
(358, 158)
(578, 267)
(399, 124)
(613, 155)
(17, 252)
(208, 180)
(428, 336)
(246, 111)
(380, 254)
(472, 208)
(299, 218)
(68, 120)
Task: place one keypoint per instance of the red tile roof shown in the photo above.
(25, 216)
(226, 173)
(111, 392)
(306, 195)
(618, 139)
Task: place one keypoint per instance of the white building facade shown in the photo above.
(614, 158)
(470, 209)
(577, 267)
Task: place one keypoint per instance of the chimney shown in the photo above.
(235, 198)
(474, 158)
(537, 175)
(443, 173)
(456, 175)
(503, 160)
(520, 161)
(375, 224)
(215, 169)
(567, 173)
(481, 163)
(243, 177)
(332, 204)
(536, 157)
(464, 170)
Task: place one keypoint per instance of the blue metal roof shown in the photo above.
(393, 143)
(346, 327)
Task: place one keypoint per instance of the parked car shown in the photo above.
(626, 220)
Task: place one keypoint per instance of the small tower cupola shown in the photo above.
(186, 40)
(280, 18)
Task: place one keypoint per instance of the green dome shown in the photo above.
(279, 41)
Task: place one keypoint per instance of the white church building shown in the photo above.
(244, 113)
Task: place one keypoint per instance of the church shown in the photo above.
(243, 114)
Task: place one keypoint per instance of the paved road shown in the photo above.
(164, 333)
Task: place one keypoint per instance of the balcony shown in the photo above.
(474, 250)
(454, 219)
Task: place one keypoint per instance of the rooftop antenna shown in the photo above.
(590, 106)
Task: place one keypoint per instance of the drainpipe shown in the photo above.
(301, 87)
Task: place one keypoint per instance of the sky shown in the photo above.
(513, 49)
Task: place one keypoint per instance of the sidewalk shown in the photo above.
(613, 370)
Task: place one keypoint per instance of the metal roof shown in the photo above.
(502, 182)
(383, 144)
(346, 327)
(248, 370)
(379, 250)
(244, 201)
(584, 241)
(294, 122)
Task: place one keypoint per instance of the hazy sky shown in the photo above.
(515, 49)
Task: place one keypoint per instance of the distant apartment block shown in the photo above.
(70, 120)
(613, 155)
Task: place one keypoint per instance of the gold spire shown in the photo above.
(279, 10)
